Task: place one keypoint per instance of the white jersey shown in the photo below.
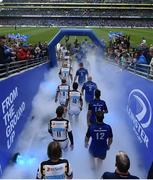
(65, 74)
(59, 129)
(54, 170)
(74, 99)
(63, 91)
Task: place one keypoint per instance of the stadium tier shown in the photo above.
(34, 13)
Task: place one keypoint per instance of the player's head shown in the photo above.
(54, 151)
(81, 65)
(99, 116)
(122, 162)
(97, 93)
(64, 64)
(63, 81)
(75, 85)
(60, 111)
(89, 78)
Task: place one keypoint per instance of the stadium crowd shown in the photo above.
(76, 21)
(91, 12)
(120, 51)
(16, 50)
(82, 1)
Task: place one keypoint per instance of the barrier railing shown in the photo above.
(140, 69)
(18, 66)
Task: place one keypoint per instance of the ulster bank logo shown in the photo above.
(140, 112)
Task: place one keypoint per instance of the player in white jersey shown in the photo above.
(55, 167)
(65, 73)
(62, 92)
(74, 102)
(67, 59)
(60, 129)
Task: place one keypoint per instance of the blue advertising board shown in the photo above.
(136, 106)
(16, 97)
(139, 105)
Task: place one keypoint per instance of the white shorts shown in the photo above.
(64, 144)
(74, 111)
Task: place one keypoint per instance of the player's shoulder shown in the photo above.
(54, 119)
(106, 125)
(109, 175)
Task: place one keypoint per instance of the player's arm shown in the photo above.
(57, 93)
(105, 110)
(71, 77)
(81, 102)
(49, 128)
(83, 88)
(110, 138)
(69, 172)
(87, 137)
(71, 138)
(39, 174)
(67, 100)
(75, 78)
(89, 114)
(70, 135)
(60, 74)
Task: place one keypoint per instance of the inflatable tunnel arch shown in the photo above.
(70, 32)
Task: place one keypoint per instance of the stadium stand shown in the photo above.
(76, 14)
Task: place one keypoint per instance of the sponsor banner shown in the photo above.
(16, 97)
(138, 102)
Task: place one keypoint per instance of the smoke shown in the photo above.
(35, 138)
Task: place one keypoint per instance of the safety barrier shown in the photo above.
(18, 66)
(139, 69)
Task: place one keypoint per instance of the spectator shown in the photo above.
(151, 62)
(96, 105)
(55, 167)
(60, 129)
(5, 53)
(141, 59)
(122, 168)
(102, 138)
(89, 87)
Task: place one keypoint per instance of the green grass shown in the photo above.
(46, 34)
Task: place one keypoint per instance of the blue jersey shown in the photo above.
(99, 133)
(94, 106)
(81, 73)
(89, 88)
(115, 175)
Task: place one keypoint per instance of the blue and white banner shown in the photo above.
(16, 97)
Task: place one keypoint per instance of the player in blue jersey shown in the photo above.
(96, 105)
(122, 168)
(55, 167)
(89, 87)
(81, 74)
(101, 138)
(60, 129)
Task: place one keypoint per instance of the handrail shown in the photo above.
(18, 66)
(139, 69)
